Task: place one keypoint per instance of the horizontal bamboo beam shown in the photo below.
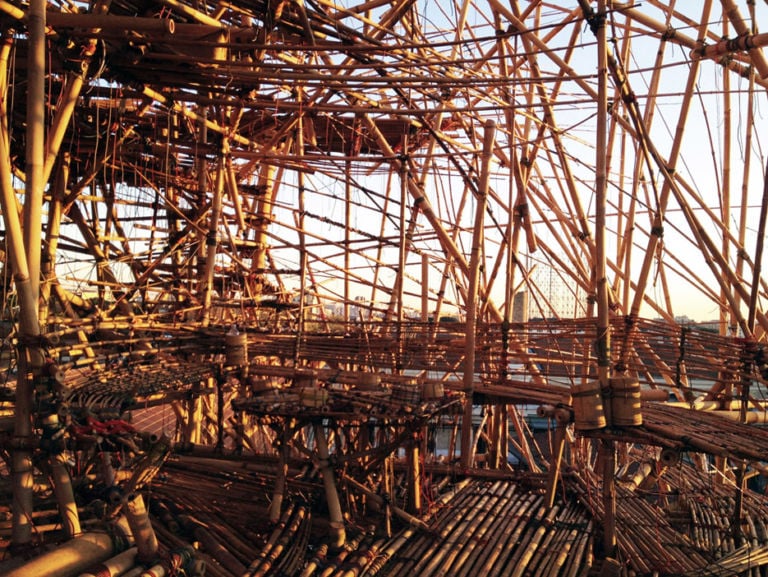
(110, 22)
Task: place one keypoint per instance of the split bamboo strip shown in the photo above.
(214, 548)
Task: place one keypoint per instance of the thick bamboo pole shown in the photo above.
(608, 460)
(30, 356)
(115, 566)
(745, 41)
(347, 251)
(70, 558)
(35, 142)
(62, 486)
(212, 240)
(603, 343)
(141, 527)
(472, 293)
(99, 20)
(338, 533)
(415, 476)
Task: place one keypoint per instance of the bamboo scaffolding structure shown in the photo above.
(285, 168)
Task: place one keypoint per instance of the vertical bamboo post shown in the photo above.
(303, 256)
(746, 170)
(27, 288)
(52, 234)
(414, 476)
(263, 217)
(725, 185)
(601, 282)
(234, 194)
(211, 239)
(329, 482)
(35, 153)
(347, 246)
(402, 254)
(472, 293)
(62, 487)
(194, 416)
(555, 463)
(275, 508)
(603, 324)
(608, 460)
(425, 288)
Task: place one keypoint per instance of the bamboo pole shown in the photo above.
(141, 527)
(473, 291)
(114, 566)
(380, 501)
(278, 494)
(745, 41)
(347, 252)
(555, 463)
(70, 558)
(415, 476)
(30, 356)
(75, 81)
(211, 240)
(672, 159)
(62, 486)
(100, 20)
(334, 506)
(35, 142)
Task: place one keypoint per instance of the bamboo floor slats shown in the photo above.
(710, 500)
(645, 539)
(478, 527)
(683, 524)
(498, 529)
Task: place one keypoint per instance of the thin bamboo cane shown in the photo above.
(212, 546)
(280, 545)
